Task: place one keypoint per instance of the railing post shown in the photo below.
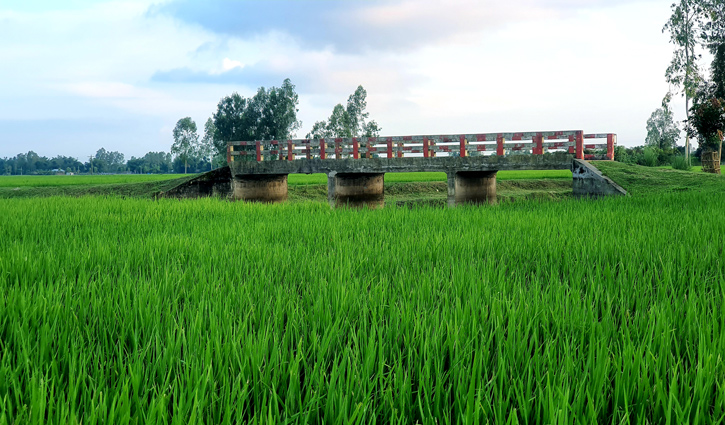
(610, 146)
(229, 154)
(579, 145)
(463, 146)
(290, 151)
(323, 154)
(425, 147)
(390, 147)
(499, 145)
(355, 148)
(258, 145)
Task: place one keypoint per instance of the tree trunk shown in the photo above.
(687, 136)
(185, 166)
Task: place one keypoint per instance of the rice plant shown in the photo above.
(176, 312)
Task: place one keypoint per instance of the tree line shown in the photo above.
(103, 162)
(270, 114)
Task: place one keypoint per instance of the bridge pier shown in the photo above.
(471, 187)
(355, 189)
(260, 187)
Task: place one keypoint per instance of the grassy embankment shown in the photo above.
(198, 311)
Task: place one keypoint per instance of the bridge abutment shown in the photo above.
(260, 187)
(471, 187)
(355, 189)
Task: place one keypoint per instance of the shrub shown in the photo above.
(649, 157)
(680, 163)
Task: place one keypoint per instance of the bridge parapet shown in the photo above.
(459, 145)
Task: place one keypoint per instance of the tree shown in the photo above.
(271, 114)
(683, 71)
(662, 132)
(108, 161)
(207, 147)
(186, 141)
(347, 121)
(707, 122)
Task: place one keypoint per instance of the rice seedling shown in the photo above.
(176, 312)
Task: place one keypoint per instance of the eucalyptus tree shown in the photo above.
(347, 121)
(662, 132)
(186, 141)
(683, 72)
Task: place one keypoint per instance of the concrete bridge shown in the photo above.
(356, 166)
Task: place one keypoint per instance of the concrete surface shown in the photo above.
(355, 189)
(588, 181)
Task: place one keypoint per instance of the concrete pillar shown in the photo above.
(471, 187)
(355, 190)
(260, 187)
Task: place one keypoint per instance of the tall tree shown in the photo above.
(662, 132)
(349, 121)
(683, 71)
(186, 141)
(271, 114)
(713, 37)
(207, 150)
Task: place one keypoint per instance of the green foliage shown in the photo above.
(650, 157)
(152, 162)
(707, 122)
(662, 132)
(108, 162)
(271, 114)
(713, 36)
(679, 162)
(347, 121)
(203, 311)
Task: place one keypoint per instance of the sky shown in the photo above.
(78, 75)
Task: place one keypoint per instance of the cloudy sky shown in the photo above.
(78, 75)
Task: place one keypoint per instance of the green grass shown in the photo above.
(84, 180)
(640, 180)
(199, 311)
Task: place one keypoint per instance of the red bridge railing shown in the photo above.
(463, 145)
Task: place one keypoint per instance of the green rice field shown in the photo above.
(134, 311)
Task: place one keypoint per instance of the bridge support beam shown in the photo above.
(355, 189)
(471, 187)
(260, 187)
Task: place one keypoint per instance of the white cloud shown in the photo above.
(228, 64)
